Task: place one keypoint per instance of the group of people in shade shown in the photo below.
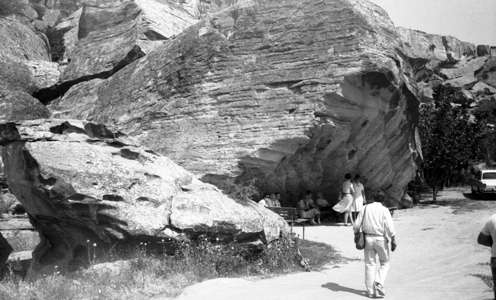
(373, 219)
(351, 201)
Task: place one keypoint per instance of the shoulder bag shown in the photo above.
(360, 236)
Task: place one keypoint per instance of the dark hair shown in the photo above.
(357, 176)
(347, 176)
(379, 197)
(308, 192)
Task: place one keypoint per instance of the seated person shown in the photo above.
(321, 201)
(266, 201)
(308, 209)
(276, 201)
(263, 202)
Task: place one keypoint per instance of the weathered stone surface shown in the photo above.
(487, 73)
(293, 93)
(419, 44)
(113, 33)
(18, 105)
(64, 36)
(24, 58)
(21, 42)
(440, 60)
(51, 17)
(83, 184)
(19, 233)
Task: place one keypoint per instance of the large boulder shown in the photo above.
(291, 93)
(82, 184)
(25, 62)
(112, 33)
(101, 37)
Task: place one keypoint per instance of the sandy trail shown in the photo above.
(437, 258)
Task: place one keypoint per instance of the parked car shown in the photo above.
(485, 182)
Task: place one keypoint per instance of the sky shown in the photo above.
(468, 20)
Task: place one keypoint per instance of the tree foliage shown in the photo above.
(450, 137)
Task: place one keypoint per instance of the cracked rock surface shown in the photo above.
(293, 93)
(83, 184)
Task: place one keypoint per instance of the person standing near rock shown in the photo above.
(377, 224)
(358, 196)
(486, 238)
(346, 199)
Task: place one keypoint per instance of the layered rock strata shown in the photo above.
(103, 36)
(85, 186)
(292, 93)
(467, 69)
(25, 64)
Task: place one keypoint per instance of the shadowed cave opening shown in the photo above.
(370, 136)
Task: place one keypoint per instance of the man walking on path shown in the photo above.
(486, 238)
(376, 223)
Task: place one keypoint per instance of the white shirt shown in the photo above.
(490, 229)
(358, 189)
(378, 221)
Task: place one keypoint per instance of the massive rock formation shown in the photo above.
(24, 68)
(24, 58)
(104, 36)
(437, 59)
(82, 184)
(292, 93)
(467, 69)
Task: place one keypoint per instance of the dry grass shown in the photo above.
(146, 276)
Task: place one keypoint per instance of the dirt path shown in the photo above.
(437, 258)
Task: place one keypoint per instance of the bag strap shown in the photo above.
(363, 217)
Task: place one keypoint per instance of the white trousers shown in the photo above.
(376, 247)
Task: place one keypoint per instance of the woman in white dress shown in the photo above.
(346, 199)
(358, 196)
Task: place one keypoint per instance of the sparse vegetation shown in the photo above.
(148, 275)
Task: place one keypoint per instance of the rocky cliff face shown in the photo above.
(83, 184)
(25, 67)
(293, 93)
(468, 69)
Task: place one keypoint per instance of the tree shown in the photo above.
(450, 138)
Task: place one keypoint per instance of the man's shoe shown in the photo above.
(379, 290)
(371, 295)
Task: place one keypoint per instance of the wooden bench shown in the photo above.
(392, 209)
(290, 214)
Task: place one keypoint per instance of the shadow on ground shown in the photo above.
(462, 202)
(339, 288)
(481, 197)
